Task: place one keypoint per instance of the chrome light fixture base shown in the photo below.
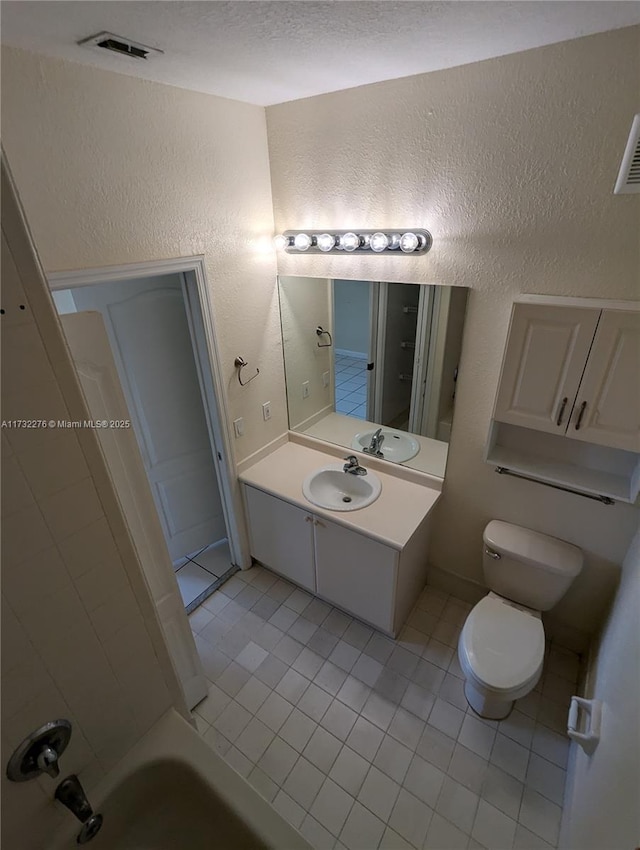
(352, 242)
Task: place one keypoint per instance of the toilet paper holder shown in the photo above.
(588, 739)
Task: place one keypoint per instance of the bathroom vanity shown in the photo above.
(371, 562)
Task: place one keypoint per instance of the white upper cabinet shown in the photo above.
(545, 357)
(607, 408)
(573, 371)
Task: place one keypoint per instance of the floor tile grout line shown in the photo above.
(397, 704)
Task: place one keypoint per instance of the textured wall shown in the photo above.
(114, 170)
(603, 801)
(79, 634)
(511, 164)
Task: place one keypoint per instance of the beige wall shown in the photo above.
(602, 799)
(305, 304)
(115, 170)
(511, 164)
(80, 638)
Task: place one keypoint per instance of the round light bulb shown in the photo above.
(280, 242)
(325, 241)
(409, 242)
(349, 241)
(379, 242)
(394, 241)
(302, 242)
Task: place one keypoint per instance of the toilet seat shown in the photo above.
(501, 646)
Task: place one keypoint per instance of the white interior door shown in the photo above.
(91, 352)
(149, 333)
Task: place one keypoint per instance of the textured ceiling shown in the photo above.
(269, 52)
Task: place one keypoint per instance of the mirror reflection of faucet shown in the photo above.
(374, 447)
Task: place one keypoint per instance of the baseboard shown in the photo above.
(472, 592)
(357, 355)
(464, 588)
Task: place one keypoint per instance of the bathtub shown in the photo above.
(173, 792)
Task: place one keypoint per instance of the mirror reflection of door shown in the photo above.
(396, 349)
(376, 343)
(352, 338)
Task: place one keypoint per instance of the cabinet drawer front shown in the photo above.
(356, 573)
(281, 537)
(609, 394)
(546, 353)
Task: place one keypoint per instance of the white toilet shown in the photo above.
(501, 646)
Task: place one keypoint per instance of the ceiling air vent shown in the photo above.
(629, 174)
(118, 44)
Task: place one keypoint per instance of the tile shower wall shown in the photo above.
(74, 639)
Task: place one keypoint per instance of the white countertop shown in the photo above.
(392, 518)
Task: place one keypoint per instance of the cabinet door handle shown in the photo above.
(317, 522)
(580, 415)
(561, 411)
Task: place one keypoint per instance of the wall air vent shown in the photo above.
(629, 174)
(118, 44)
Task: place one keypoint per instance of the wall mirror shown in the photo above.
(372, 365)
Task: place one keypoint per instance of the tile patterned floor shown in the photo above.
(362, 742)
(202, 573)
(351, 386)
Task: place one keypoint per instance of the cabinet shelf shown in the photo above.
(567, 410)
(592, 481)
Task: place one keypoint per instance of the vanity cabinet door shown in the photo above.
(607, 409)
(356, 573)
(281, 537)
(544, 360)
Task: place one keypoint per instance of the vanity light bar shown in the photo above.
(400, 242)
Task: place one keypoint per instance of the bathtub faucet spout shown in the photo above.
(71, 794)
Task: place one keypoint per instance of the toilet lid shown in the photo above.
(504, 645)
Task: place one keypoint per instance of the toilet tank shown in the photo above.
(527, 567)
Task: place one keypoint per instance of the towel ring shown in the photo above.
(240, 363)
(320, 331)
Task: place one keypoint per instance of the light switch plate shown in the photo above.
(325, 379)
(305, 389)
(266, 411)
(238, 427)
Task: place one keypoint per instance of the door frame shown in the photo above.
(201, 320)
(423, 361)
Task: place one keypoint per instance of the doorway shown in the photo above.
(146, 325)
(381, 336)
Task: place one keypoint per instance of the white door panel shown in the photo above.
(609, 395)
(91, 352)
(149, 333)
(543, 365)
(356, 573)
(291, 553)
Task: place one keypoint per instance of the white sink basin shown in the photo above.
(397, 445)
(336, 490)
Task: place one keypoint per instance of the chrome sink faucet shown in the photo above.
(353, 467)
(374, 447)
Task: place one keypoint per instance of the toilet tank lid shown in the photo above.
(543, 551)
